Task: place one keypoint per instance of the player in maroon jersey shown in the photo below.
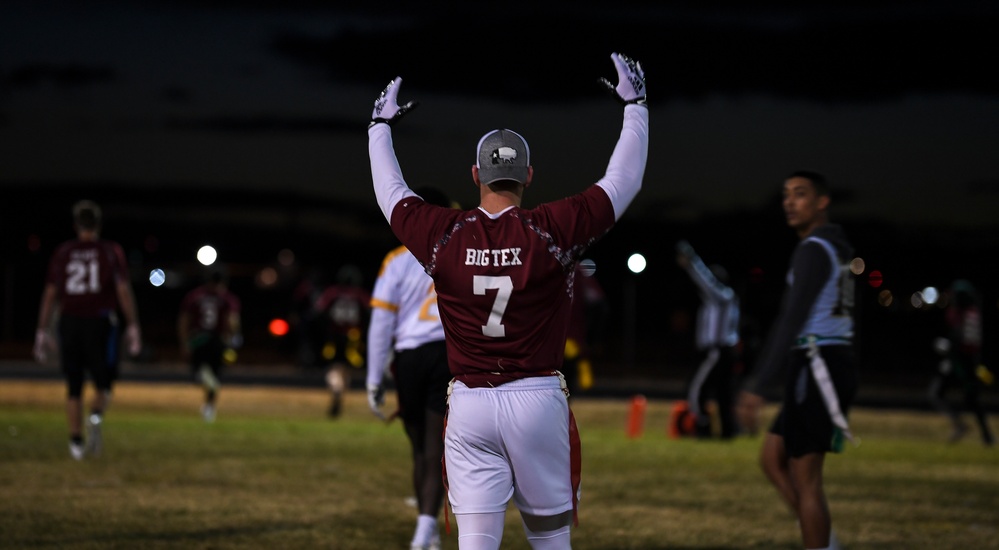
(88, 283)
(504, 279)
(207, 325)
(344, 308)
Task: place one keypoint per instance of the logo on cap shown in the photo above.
(504, 155)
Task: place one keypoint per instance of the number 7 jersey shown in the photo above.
(504, 282)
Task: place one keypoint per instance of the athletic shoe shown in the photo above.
(434, 544)
(208, 412)
(76, 451)
(95, 442)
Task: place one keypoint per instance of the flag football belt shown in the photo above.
(805, 341)
(820, 372)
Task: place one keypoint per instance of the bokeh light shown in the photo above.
(636, 263)
(931, 295)
(857, 266)
(157, 277)
(278, 327)
(207, 255)
(885, 298)
(875, 279)
(267, 277)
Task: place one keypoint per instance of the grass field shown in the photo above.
(274, 472)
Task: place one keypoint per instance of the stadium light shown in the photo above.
(636, 263)
(207, 255)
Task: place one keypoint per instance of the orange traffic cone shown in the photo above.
(636, 417)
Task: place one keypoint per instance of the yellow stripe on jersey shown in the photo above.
(375, 302)
(389, 257)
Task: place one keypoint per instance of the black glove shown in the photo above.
(630, 88)
(387, 108)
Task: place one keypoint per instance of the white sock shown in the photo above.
(833, 541)
(426, 528)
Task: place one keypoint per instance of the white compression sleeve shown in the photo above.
(626, 168)
(386, 174)
(480, 531)
(380, 330)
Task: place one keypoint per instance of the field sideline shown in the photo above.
(274, 472)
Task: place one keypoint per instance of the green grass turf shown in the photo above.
(275, 472)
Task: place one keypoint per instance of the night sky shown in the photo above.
(182, 116)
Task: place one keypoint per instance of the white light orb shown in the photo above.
(207, 255)
(931, 295)
(157, 277)
(636, 263)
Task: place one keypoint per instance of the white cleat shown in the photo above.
(208, 412)
(76, 451)
(434, 544)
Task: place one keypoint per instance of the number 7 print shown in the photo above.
(504, 287)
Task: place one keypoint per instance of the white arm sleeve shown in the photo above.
(379, 344)
(710, 286)
(627, 164)
(390, 186)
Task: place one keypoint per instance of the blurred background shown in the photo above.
(241, 125)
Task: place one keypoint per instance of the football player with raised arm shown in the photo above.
(504, 279)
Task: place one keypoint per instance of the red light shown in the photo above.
(278, 327)
(874, 279)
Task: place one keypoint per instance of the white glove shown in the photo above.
(133, 339)
(43, 344)
(387, 107)
(630, 88)
(376, 398)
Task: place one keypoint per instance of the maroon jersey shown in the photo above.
(85, 275)
(504, 285)
(347, 307)
(208, 309)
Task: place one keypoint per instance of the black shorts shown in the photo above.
(206, 350)
(421, 380)
(804, 421)
(83, 347)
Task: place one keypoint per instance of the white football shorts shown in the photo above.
(509, 441)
